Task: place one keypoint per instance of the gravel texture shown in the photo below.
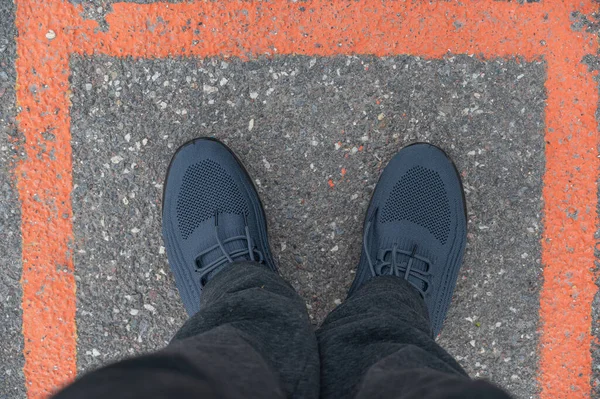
(315, 134)
(12, 382)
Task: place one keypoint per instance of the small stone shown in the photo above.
(127, 137)
(116, 159)
(210, 89)
(335, 249)
(95, 352)
(251, 125)
(134, 312)
(88, 86)
(337, 301)
(266, 163)
(254, 95)
(472, 342)
(149, 307)
(161, 250)
(223, 82)
(155, 76)
(50, 34)
(380, 116)
(135, 230)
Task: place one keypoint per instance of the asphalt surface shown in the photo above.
(314, 133)
(12, 382)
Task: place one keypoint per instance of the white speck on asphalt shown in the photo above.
(223, 82)
(116, 159)
(209, 89)
(127, 137)
(95, 352)
(266, 163)
(251, 125)
(254, 95)
(337, 301)
(161, 250)
(150, 308)
(155, 76)
(135, 230)
(134, 312)
(88, 86)
(335, 249)
(472, 342)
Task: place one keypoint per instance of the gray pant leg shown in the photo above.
(251, 339)
(268, 313)
(386, 319)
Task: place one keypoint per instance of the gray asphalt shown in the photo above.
(296, 122)
(12, 382)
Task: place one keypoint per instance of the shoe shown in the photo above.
(416, 227)
(212, 217)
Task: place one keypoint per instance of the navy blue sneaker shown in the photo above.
(416, 227)
(212, 217)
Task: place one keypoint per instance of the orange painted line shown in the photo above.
(322, 28)
(44, 184)
(570, 216)
(245, 29)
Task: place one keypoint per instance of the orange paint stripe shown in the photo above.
(570, 217)
(317, 28)
(44, 184)
(321, 28)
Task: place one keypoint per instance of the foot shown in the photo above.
(212, 217)
(415, 227)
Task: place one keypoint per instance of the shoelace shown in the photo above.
(396, 268)
(250, 252)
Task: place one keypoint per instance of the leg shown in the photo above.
(248, 333)
(252, 339)
(379, 344)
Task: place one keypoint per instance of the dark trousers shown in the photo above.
(252, 339)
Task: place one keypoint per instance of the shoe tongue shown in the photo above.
(402, 262)
(225, 232)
